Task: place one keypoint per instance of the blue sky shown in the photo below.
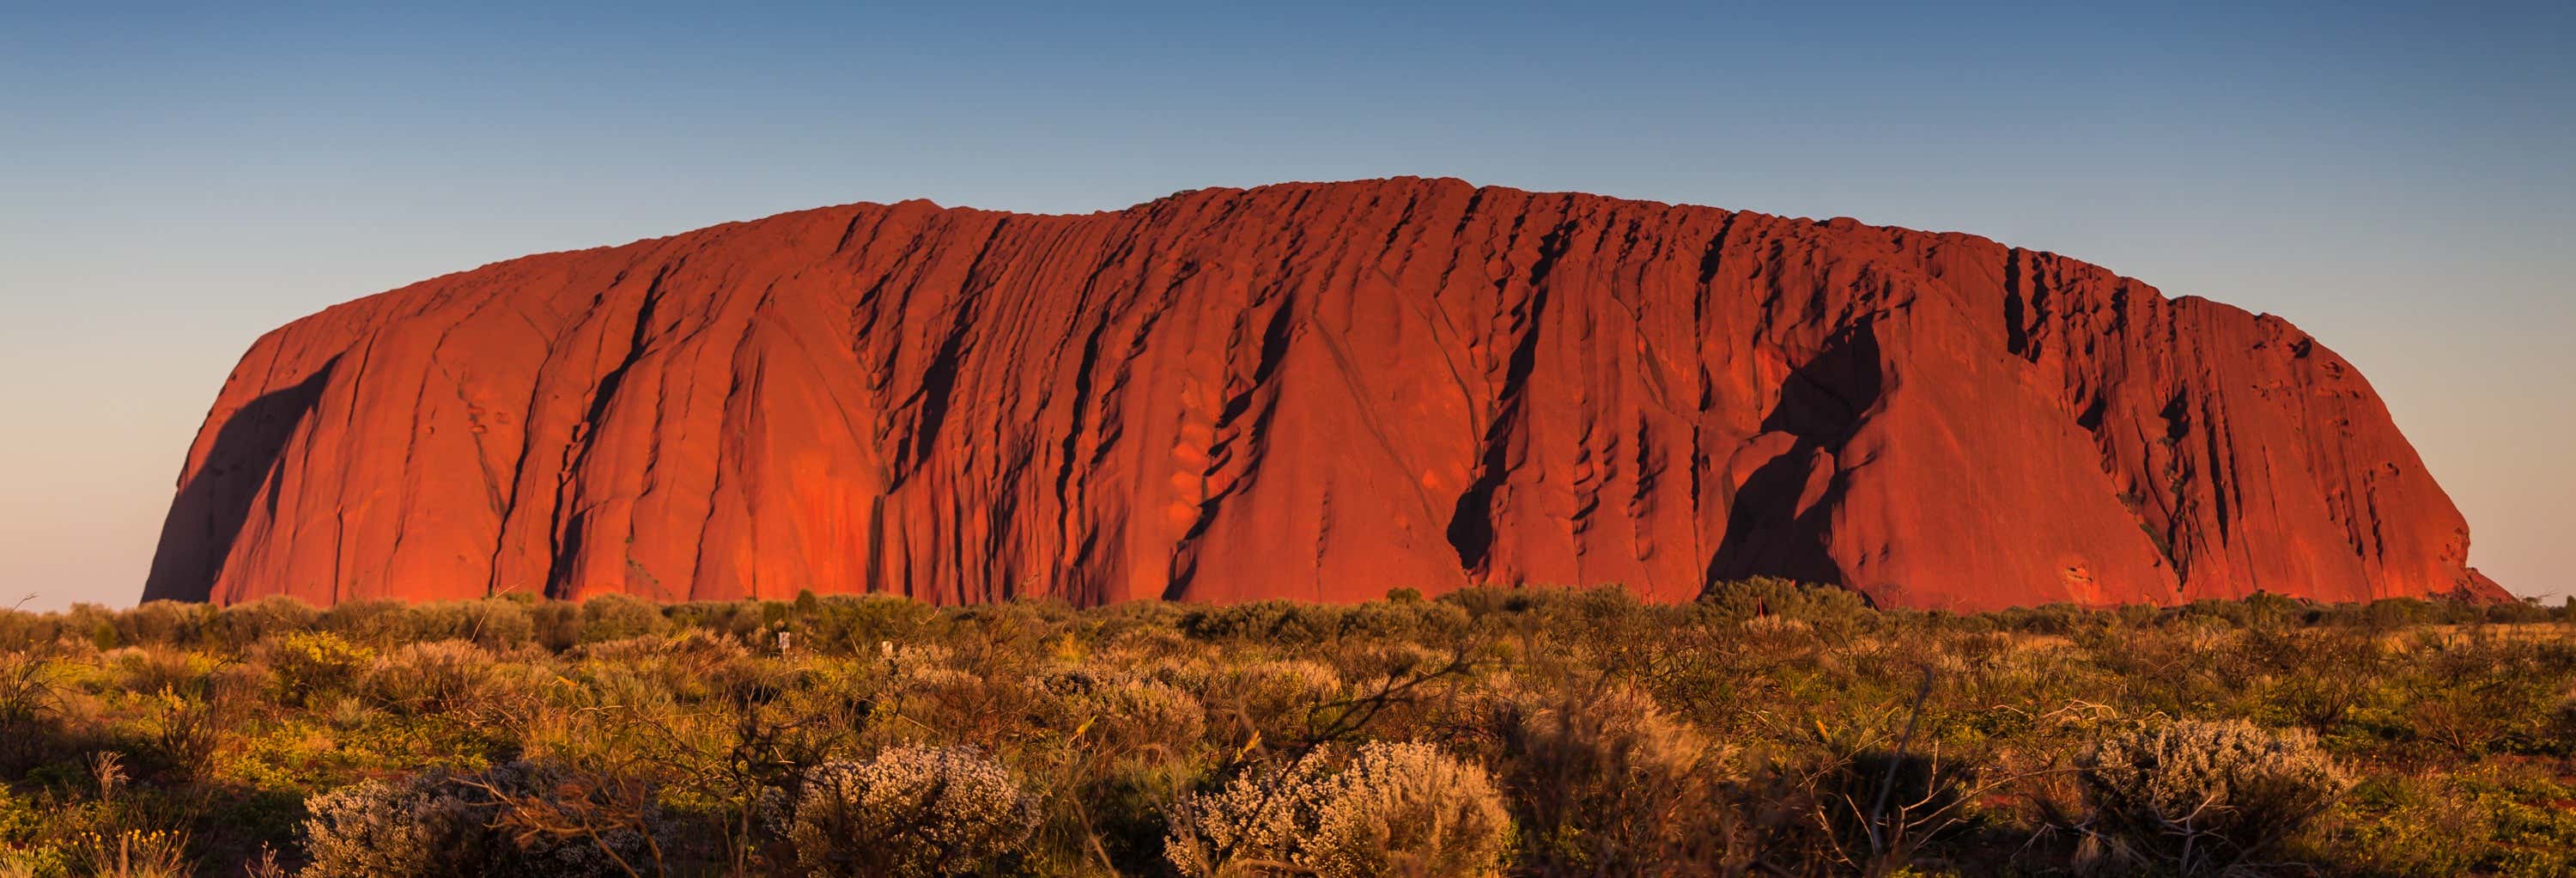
(2399, 180)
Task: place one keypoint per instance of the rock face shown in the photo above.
(1301, 391)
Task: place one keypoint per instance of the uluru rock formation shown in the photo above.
(1314, 391)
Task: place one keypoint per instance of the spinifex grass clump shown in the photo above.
(1770, 729)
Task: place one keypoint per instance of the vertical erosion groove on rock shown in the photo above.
(1316, 391)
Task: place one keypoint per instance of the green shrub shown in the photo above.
(310, 663)
(2392, 613)
(738, 619)
(1610, 783)
(861, 622)
(1118, 710)
(1275, 621)
(489, 623)
(618, 617)
(380, 622)
(91, 623)
(435, 677)
(1405, 619)
(31, 690)
(164, 623)
(1744, 599)
(240, 625)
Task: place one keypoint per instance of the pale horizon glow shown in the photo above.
(175, 182)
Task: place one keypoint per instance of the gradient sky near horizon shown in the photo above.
(2400, 181)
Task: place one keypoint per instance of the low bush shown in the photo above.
(1612, 784)
(1386, 809)
(434, 677)
(418, 827)
(2205, 796)
(1120, 711)
(1768, 728)
(522, 819)
(311, 663)
(910, 811)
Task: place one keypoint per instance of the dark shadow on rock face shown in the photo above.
(1823, 400)
(1765, 535)
(211, 508)
(1821, 404)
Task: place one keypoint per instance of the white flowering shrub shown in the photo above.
(417, 826)
(2206, 794)
(1388, 809)
(910, 811)
(521, 819)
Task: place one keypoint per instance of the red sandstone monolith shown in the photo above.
(1310, 391)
